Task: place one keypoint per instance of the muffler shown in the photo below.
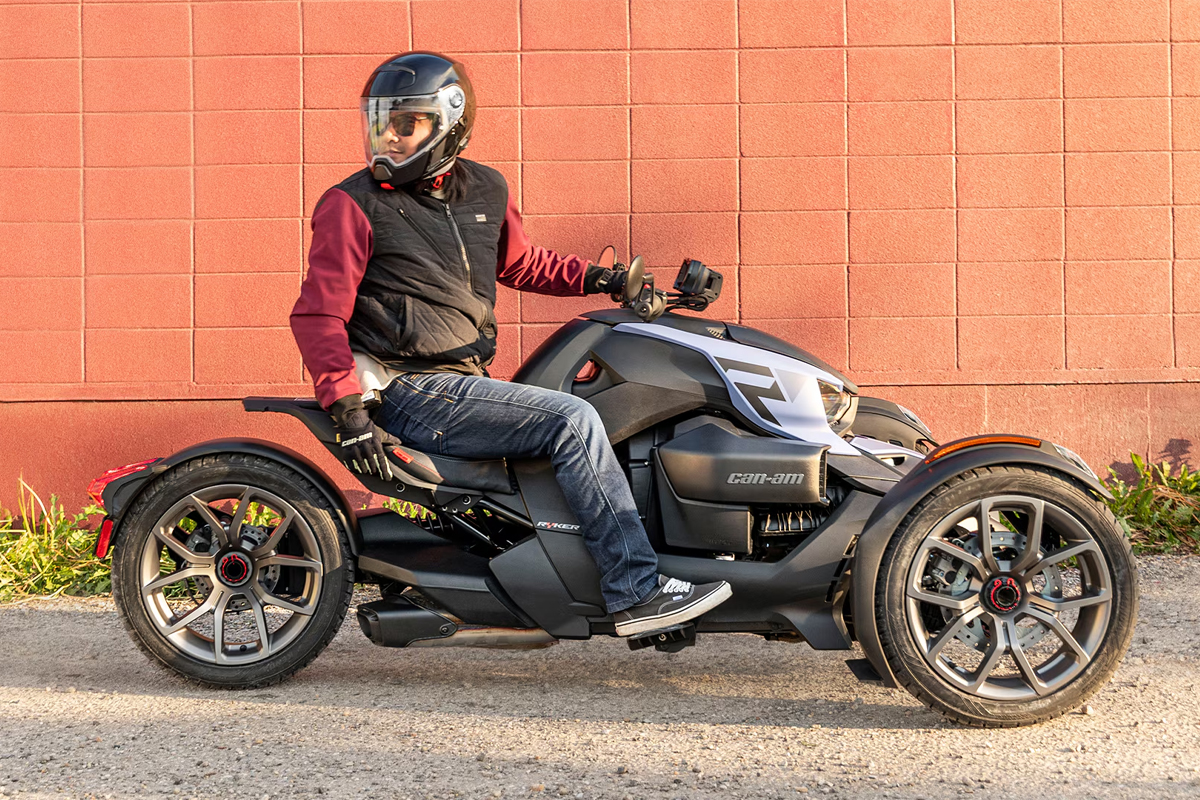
(399, 622)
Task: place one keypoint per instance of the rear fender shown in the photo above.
(904, 497)
(120, 495)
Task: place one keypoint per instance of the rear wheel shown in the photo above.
(1006, 597)
(232, 571)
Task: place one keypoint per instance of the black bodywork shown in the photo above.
(502, 550)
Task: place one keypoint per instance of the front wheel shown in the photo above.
(232, 571)
(1007, 597)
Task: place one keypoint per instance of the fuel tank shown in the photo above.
(638, 374)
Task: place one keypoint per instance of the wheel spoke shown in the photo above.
(260, 621)
(959, 604)
(273, 600)
(983, 516)
(219, 628)
(970, 559)
(239, 515)
(195, 614)
(1033, 537)
(288, 561)
(175, 577)
(272, 541)
(180, 549)
(953, 629)
(995, 652)
(1018, 653)
(1060, 630)
(1056, 605)
(210, 519)
(1067, 552)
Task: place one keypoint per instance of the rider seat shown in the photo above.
(490, 475)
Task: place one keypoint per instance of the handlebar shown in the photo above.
(697, 285)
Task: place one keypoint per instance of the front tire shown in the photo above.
(1007, 597)
(232, 571)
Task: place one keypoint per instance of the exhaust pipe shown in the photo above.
(399, 622)
(505, 638)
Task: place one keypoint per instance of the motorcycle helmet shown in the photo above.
(417, 113)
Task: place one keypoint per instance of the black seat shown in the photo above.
(465, 473)
(461, 473)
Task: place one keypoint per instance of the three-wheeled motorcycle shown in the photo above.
(986, 576)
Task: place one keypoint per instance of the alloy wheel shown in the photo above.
(231, 574)
(1009, 597)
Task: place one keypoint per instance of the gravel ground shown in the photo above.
(83, 714)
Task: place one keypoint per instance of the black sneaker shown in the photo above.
(672, 603)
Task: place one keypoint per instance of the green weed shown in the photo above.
(45, 551)
(1161, 510)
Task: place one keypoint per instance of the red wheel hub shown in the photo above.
(234, 568)
(1002, 593)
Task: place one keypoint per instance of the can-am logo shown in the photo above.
(558, 526)
(779, 478)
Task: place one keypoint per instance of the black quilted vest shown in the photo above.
(425, 303)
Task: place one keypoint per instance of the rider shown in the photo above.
(403, 267)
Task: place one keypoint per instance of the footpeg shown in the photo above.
(667, 640)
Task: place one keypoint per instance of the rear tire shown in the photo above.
(1018, 631)
(243, 606)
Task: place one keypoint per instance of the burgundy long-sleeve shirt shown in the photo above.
(342, 246)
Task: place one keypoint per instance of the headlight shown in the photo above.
(836, 400)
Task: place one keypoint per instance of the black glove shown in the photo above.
(598, 280)
(362, 444)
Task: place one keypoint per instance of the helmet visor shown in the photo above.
(402, 129)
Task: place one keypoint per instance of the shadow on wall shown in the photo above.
(1176, 452)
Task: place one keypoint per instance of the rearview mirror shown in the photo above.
(608, 257)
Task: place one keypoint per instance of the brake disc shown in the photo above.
(1006, 545)
(253, 536)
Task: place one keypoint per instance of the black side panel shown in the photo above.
(663, 365)
(756, 338)
(554, 364)
(865, 472)
(712, 464)
(456, 580)
(545, 504)
(380, 527)
(526, 574)
(909, 491)
(576, 567)
(787, 594)
(697, 525)
(630, 408)
(259, 447)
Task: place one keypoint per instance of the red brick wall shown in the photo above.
(989, 211)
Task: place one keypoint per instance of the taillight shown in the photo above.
(95, 489)
(104, 538)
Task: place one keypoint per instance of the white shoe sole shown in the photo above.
(678, 616)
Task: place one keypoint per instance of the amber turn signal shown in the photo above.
(975, 441)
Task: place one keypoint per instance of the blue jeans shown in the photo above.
(474, 417)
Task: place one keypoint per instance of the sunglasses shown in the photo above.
(404, 123)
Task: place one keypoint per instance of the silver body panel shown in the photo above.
(784, 388)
